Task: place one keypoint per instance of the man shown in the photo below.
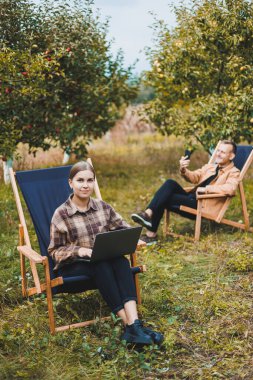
(221, 177)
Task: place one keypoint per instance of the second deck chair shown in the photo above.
(43, 191)
(242, 160)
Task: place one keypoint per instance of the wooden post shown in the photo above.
(96, 187)
(212, 158)
(49, 296)
(25, 230)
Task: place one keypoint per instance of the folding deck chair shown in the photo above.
(43, 191)
(242, 160)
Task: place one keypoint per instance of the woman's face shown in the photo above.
(83, 184)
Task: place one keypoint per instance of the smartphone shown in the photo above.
(187, 154)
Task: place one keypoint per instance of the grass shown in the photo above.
(198, 295)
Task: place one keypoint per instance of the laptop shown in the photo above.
(112, 244)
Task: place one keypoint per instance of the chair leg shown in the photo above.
(23, 275)
(198, 221)
(49, 297)
(137, 286)
(136, 278)
(22, 262)
(244, 206)
(166, 222)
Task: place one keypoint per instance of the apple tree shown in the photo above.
(23, 77)
(59, 82)
(202, 73)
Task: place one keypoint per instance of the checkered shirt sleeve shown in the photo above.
(72, 229)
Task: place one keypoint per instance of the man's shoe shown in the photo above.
(134, 334)
(149, 240)
(142, 218)
(157, 337)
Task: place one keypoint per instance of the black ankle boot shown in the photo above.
(134, 334)
(157, 337)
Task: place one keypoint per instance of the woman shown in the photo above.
(73, 230)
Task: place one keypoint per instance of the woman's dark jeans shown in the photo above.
(114, 279)
(168, 195)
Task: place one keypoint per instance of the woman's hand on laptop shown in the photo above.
(84, 252)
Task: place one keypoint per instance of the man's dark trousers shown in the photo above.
(170, 194)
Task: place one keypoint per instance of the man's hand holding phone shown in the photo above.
(185, 161)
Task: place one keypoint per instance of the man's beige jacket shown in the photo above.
(225, 183)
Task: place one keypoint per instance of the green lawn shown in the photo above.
(198, 295)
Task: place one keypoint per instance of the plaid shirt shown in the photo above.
(72, 229)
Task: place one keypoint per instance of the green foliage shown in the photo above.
(62, 84)
(193, 293)
(23, 79)
(202, 73)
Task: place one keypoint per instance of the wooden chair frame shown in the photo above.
(26, 252)
(220, 218)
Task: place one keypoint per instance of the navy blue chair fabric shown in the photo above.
(43, 191)
(242, 154)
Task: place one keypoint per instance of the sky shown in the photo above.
(130, 26)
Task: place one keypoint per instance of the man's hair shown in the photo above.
(229, 142)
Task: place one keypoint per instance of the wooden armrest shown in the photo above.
(210, 196)
(30, 254)
(188, 188)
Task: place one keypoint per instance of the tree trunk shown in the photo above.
(6, 168)
(65, 159)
